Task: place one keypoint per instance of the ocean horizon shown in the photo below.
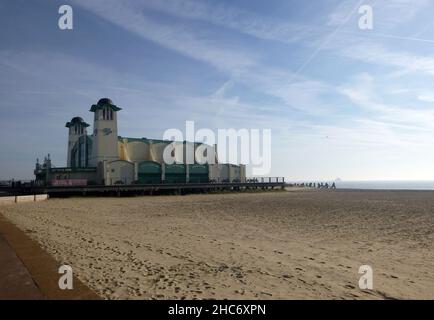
(386, 185)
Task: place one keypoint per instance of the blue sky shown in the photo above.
(340, 101)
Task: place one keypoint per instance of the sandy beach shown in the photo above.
(274, 245)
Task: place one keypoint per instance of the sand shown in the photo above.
(274, 245)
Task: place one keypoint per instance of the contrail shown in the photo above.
(400, 37)
(327, 40)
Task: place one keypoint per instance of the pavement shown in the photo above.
(15, 281)
(27, 272)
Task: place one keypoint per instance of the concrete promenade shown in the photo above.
(28, 272)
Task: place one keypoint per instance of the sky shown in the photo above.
(340, 101)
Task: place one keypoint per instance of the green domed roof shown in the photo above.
(76, 120)
(104, 102)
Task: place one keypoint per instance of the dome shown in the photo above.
(104, 101)
(77, 119)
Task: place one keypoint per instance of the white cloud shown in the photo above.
(365, 93)
(426, 97)
(387, 14)
(240, 65)
(243, 21)
(129, 15)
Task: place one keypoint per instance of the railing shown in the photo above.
(250, 180)
(266, 180)
(18, 187)
(5, 183)
(68, 182)
(18, 183)
(23, 187)
(78, 182)
(316, 185)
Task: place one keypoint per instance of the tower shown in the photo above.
(105, 132)
(77, 128)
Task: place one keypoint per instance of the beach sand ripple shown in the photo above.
(274, 245)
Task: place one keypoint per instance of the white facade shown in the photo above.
(116, 160)
(119, 172)
(105, 132)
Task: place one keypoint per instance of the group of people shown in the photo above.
(318, 185)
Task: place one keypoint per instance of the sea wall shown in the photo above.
(19, 199)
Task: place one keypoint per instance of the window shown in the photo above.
(103, 114)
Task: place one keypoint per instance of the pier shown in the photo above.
(30, 188)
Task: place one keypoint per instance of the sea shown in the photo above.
(386, 185)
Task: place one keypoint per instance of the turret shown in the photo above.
(105, 133)
(77, 128)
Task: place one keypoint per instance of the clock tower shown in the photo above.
(105, 132)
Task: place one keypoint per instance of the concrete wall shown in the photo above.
(89, 176)
(21, 199)
(234, 173)
(243, 172)
(137, 151)
(156, 152)
(223, 172)
(119, 170)
(219, 172)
